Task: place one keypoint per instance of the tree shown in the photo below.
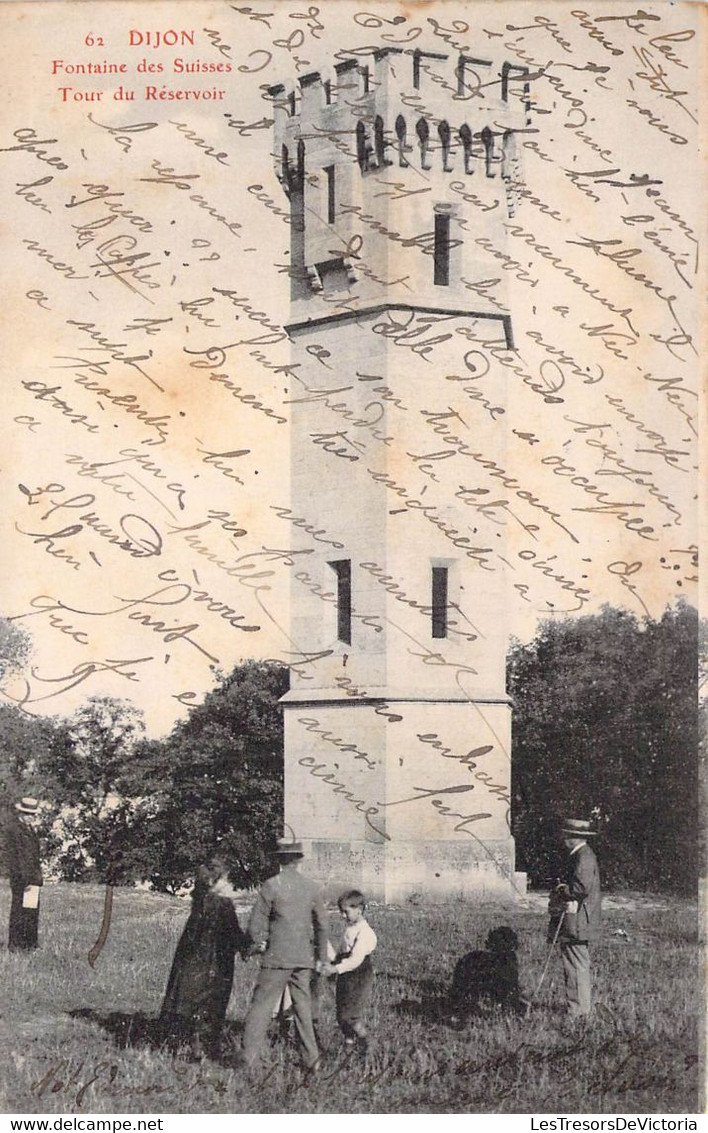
(215, 783)
(15, 647)
(127, 808)
(93, 761)
(20, 733)
(605, 722)
(25, 740)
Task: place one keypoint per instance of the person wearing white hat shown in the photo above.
(23, 858)
(580, 926)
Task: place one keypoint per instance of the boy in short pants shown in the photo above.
(354, 971)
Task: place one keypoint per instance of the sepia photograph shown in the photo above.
(350, 647)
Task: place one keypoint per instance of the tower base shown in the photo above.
(432, 872)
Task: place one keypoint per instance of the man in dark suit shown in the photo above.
(22, 850)
(288, 927)
(580, 926)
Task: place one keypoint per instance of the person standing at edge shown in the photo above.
(23, 859)
(288, 927)
(581, 919)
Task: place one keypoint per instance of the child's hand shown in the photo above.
(329, 969)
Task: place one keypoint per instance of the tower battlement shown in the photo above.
(404, 109)
(401, 166)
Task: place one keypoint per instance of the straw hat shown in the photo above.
(27, 805)
(577, 828)
(288, 848)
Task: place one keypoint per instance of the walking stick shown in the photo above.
(95, 952)
(548, 957)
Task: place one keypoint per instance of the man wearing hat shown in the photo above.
(580, 926)
(22, 848)
(288, 927)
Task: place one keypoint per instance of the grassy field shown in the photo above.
(77, 1039)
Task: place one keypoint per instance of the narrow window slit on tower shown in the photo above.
(401, 135)
(343, 570)
(439, 601)
(445, 138)
(423, 131)
(466, 139)
(331, 194)
(362, 148)
(487, 139)
(380, 142)
(441, 250)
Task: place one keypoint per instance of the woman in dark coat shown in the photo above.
(199, 987)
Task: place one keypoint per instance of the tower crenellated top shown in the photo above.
(401, 108)
(442, 131)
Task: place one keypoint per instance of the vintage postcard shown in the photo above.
(351, 362)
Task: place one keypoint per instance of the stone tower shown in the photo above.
(401, 170)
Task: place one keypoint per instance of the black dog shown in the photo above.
(487, 978)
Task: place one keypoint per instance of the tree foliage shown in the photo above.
(215, 783)
(605, 723)
(93, 758)
(15, 647)
(127, 808)
(26, 741)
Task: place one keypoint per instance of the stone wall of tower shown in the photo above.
(397, 743)
(398, 737)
